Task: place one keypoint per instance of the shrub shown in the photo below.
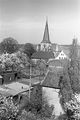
(72, 108)
(7, 108)
(47, 110)
(26, 116)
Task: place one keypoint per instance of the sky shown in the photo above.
(25, 20)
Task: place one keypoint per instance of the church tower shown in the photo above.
(45, 43)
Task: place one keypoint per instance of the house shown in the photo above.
(61, 55)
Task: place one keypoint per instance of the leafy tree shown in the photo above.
(74, 80)
(65, 88)
(74, 69)
(9, 45)
(29, 49)
(15, 62)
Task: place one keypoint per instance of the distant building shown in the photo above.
(60, 51)
(61, 55)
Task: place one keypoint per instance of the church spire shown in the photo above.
(46, 38)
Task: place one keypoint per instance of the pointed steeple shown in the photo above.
(46, 38)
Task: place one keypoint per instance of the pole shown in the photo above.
(30, 84)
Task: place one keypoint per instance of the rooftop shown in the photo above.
(51, 80)
(43, 55)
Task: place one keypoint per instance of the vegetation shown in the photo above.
(12, 111)
(8, 110)
(38, 109)
(74, 50)
(29, 49)
(41, 66)
(13, 62)
(70, 83)
(9, 45)
(73, 69)
(72, 108)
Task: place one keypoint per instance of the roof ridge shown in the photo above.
(45, 76)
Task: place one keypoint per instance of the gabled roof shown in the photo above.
(51, 80)
(46, 38)
(61, 54)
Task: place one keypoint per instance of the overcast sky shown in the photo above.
(25, 20)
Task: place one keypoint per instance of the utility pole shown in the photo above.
(30, 82)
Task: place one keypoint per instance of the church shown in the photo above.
(45, 44)
(60, 51)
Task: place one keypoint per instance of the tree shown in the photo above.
(9, 45)
(65, 88)
(69, 82)
(74, 67)
(29, 49)
(74, 49)
(14, 62)
(8, 110)
(74, 55)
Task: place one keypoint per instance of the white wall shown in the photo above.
(53, 99)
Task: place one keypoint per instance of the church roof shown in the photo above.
(43, 55)
(46, 38)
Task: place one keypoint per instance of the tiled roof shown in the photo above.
(43, 55)
(55, 63)
(51, 80)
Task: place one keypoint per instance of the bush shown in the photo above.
(72, 108)
(26, 116)
(7, 108)
(62, 117)
(47, 110)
